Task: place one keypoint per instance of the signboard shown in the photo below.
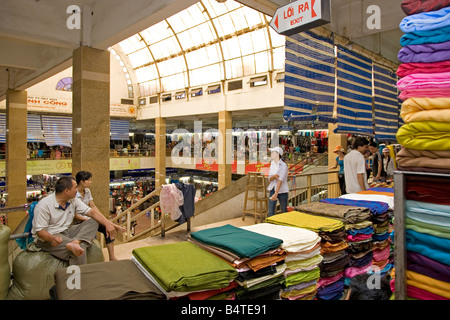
(301, 15)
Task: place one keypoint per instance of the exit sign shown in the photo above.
(301, 15)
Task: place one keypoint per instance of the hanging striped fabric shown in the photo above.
(2, 127)
(120, 129)
(57, 130)
(385, 103)
(309, 77)
(354, 93)
(34, 128)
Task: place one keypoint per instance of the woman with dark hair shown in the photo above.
(387, 165)
(84, 181)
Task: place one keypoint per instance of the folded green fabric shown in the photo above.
(183, 266)
(302, 276)
(244, 243)
(425, 135)
(413, 225)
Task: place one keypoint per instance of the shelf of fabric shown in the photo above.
(410, 239)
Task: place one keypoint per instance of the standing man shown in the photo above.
(53, 230)
(376, 161)
(355, 167)
(278, 187)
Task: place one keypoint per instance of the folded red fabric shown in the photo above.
(416, 6)
(405, 69)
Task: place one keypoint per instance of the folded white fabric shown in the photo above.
(294, 239)
(370, 197)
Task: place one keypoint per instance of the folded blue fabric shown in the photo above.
(427, 36)
(366, 230)
(381, 189)
(380, 236)
(430, 246)
(376, 207)
(426, 20)
(431, 213)
(330, 291)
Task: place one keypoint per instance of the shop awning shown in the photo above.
(385, 103)
(57, 130)
(34, 128)
(354, 93)
(120, 129)
(309, 76)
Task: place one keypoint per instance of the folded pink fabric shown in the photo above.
(354, 271)
(424, 81)
(424, 93)
(405, 69)
(358, 237)
(323, 282)
(414, 292)
(380, 255)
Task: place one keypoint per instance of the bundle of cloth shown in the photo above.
(335, 258)
(302, 261)
(427, 215)
(358, 230)
(182, 268)
(258, 259)
(424, 87)
(382, 237)
(377, 248)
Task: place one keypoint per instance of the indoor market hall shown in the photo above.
(245, 152)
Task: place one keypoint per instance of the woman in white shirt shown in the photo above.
(84, 181)
(278, 187)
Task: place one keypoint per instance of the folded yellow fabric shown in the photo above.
(429, 284)
(306, 221)
(425, 135)
(426, 109)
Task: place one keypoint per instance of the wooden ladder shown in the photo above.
(256, 192)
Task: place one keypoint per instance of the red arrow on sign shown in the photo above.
(313, 13)
(276, 22)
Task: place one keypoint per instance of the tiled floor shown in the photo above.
(124, 251)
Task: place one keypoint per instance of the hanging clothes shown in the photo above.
(187, 208)
(171, 198)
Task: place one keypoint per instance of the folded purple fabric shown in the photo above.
(427, 266)
(430, 52)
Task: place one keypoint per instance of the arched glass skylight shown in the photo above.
(205, 43)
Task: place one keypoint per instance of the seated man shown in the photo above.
(53, 231)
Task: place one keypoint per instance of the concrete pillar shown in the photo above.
(16, 154)
(91, 120)
(224, 148)
(160, 152)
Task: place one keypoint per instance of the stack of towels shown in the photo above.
(425, 87)
(333, 249)
(303, 257)
(258, 259)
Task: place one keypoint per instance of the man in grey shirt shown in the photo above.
(53, 230)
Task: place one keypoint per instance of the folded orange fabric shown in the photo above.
(329, 247)
(390, 194)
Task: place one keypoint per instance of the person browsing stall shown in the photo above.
(278, 187)
(355, 167)
(339, 150)
(53, 231)
(84, 181)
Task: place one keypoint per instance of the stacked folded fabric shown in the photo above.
(182, 268)
(333, 250)
(302, 260)
(383, 253)
(258, 259)
(427, 215)
(425, 87)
